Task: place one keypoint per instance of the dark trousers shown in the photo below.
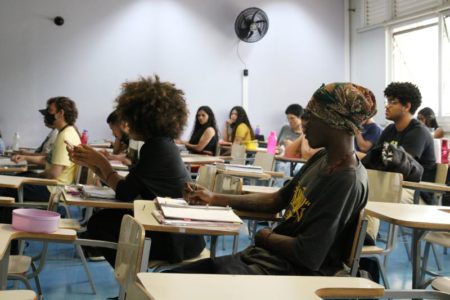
(230, 264)
(105, 225)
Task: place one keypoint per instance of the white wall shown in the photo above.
(368, 57)
(189, 42)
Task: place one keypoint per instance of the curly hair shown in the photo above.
(69, 107)
(199, 128)
(294, 109)
(152, 108)
(241, 118)
(405, 92)
(430, 117)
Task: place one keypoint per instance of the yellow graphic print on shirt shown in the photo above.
(298, 204)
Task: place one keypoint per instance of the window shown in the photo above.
(421, 55)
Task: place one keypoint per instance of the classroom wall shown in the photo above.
(367, 57)
(189, 42)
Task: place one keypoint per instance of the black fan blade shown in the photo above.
(260, 21)
(254, 16)
(259, 31)
(250, 33)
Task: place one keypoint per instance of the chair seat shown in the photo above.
(19, 264)
(69, 224)
(371, 250)
(17, 295)
(163, 263)
(441, 284)
(440, 238)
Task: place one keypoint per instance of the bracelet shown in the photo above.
(266, 238)
(109, 175)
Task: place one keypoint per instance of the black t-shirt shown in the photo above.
(211, 146)
(161, 172)
(417, 141)
(322, 214)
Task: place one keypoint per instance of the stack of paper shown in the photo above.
(240, 168)
(102, 192)
(177, 210)
(7, 162)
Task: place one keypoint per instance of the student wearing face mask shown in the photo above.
(61, 114)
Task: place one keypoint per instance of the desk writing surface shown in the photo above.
(143, 214)
(76, 200)
(261, 175)
(250, 189)
(18, 295)
(428, 217)
(426, 186)
(262, 287)
(118, 166)
(201, 159)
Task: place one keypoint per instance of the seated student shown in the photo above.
(121, 141)
(322, 202)
(237, 128)
(144, 106)
(427, 117)
(47, 144)
(205, 135)
(291, 132)
(61, 113)
(368, 136)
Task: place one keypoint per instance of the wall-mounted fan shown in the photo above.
(251, 24)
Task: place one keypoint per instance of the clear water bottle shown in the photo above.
(84, 137)
(16, 141)
(272, 143)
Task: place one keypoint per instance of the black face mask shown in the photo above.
(49, 119)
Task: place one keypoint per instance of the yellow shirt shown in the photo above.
(58, 155)
(243, 131)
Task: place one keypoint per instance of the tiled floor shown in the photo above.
(63, 276)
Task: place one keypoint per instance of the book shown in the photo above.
(240, 168)
(7, 162)
(101, 192)
(181, 210)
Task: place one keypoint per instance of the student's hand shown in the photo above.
(196, 194)
(85, 155)
(17, 158)
(261, 237)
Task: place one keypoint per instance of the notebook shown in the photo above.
(179, 209)
(101, 192)
(7, 162)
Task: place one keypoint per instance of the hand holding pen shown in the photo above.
(196, 194)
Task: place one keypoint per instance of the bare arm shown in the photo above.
(270, 203)
(278, 244)
(362, 143)
(39, 160)
(438, 133)
(203, 142)
(53, 172)
(294, 148)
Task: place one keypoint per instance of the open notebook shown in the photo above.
(178, 209)
(7, 162)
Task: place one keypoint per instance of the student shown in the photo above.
(61, 113)
(427, 117)
(291, 132)
(322, 202)
(143, 106)
(237, 128)
(121, 141)
(205, 135)
(403, 99)
(368, 136)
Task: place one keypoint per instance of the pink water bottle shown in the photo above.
(84, 137)
(272, 142)
(444, 151)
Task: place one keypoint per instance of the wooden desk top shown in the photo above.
(99, 203)
(18, 295)
(5, 169)
(255, 175)
(6, 200)
(428, 217)
(143, 214)
(15, 182)
(426, 186)
(201, 159)
(118, 166)
(290, 159)
(7, 233)
(251, 189)
(225, 287)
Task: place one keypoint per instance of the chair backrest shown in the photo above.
(358, 243)
(227, 184)
(206, 176)
(264, 160)
(129, 252)
(441, 173)
(238, 154)
(384, 186)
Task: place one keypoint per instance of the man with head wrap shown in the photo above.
(322, 201)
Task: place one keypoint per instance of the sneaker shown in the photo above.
(92, 254)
